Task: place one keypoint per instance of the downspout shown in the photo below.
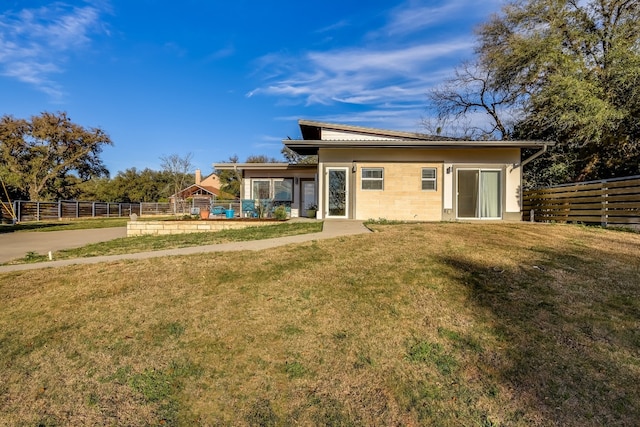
(527, 161)
(534, 156)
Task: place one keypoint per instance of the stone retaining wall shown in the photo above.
(157, 228)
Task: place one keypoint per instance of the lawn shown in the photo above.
(127, 245)
(419, 324)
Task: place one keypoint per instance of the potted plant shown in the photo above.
(312, 210)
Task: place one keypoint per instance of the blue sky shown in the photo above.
(218, 78)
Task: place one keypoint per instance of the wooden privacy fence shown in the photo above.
(39, 211)
(612, 202)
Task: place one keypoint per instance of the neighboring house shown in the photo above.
(365, 173)
(201, 193)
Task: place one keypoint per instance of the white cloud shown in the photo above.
(361, 76)
(409, 18)
(35, 43)
(387, 70)
(413, 16)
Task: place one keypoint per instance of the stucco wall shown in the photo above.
(402, 197)
(410, 161)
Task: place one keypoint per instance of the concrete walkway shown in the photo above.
(331, 229)
(17, 244)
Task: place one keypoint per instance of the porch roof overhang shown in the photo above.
(264, 166)
(311, 147)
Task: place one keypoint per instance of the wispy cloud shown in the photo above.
(35, 43)
(360, 76)
(387, 70)
(414, 17)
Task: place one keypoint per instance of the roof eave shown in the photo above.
(311, 130)
(310, 147)
(260, 166)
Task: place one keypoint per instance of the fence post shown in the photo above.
(59, 209)
(37, 211)
(532, 215)
(603, 210)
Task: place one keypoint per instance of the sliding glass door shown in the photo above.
(479, 194)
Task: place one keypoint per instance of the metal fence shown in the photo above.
(69, 209)
(611, 202)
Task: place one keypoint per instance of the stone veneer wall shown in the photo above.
(157, 228)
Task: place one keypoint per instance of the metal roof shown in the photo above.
(311, 147)
(263, 166)
(312, 130)
(312, 139)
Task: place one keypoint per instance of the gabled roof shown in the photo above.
(193, 188)
(363, 137)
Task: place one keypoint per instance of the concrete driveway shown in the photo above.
(17, 244)
(330, 229)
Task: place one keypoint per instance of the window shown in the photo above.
(429, 179)
(280, 190)
(283, 190)
(261, 189)
(372, 179)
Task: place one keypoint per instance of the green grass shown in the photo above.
(154, 243)
(72, 224)
(417, 324)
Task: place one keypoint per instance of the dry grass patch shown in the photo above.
(424, 324)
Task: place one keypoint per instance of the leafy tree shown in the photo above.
(40, 156)
(295, 158)
(130, 185)
(261, 158)
(570, 70)
(231, 180)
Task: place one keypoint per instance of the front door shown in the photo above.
(336, 202)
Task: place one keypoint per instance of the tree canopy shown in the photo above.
(230, 180)
(568, 71)
(47, 156)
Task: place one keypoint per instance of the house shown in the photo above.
(365, 173)
(292, 185)
(201, 193)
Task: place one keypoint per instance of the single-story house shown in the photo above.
(365, 173)
(201, 193)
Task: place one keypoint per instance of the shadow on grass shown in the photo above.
(571, 340)
(11, 228)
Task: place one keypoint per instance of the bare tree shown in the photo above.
(472, 91)
(178, 167)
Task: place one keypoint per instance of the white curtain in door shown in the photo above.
(490, 194)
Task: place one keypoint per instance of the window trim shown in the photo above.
(364, 179)
(434, 179)
(253, 183)
(500, 193)
(272, 188)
